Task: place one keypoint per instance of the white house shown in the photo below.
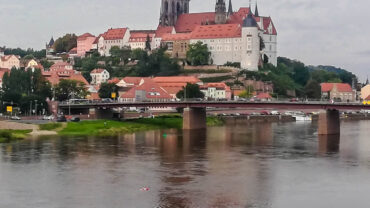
(99, 76)
(113, 37)
(216, 91)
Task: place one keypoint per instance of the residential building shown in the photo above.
(162, 30)
(54, 77)
(113, 37)
(148, 91)
(173, 85)
(339, 92)
(10, 61)
(2, 51)
(99, 76)
(365, 91)
(84, 44)
(61, 66)
(177, 44)
(33, 64)
(216, 91)
(138, 39)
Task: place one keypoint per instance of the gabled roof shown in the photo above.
(84, 36)
(97, 71)
(7, 57)
(341, 87)
(187, 22)
(177, 79)
(115, 34)
(161, 30)
(140, 36)
(216, 31)
(149, 87)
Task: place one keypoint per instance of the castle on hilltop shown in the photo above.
(232, 36)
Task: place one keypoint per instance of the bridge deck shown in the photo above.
(223, 104)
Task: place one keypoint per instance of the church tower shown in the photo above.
(171, 10)
(220, 10)
(250, 43)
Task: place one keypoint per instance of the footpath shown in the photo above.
(21, 126)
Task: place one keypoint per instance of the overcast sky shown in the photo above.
(327, 32)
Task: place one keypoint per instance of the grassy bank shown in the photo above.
(7, 136)
(109, 128)
(50, 126)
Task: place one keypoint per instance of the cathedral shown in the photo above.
(232, 36)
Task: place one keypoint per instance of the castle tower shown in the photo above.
(250, 43)
(220, 10)
(171, 9)
(256, 11)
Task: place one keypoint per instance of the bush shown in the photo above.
(50, 126)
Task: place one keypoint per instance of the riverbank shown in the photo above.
(111, 128)
(8, 135)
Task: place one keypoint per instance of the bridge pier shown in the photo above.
(329, 122)
(194, 118)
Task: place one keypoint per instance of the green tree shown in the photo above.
(120, 54)
(198, 54)
(65, 43)
(148, 46)
(190, 91)
(106, 90)
(247, 93)
(70, 89)
(312, 89)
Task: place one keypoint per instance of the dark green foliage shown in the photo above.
(233, 64)
(20, 87)
(106, 90)
(198, 54)
(313, 89)
(23, 53)
(70, 89)
(190, 91)
(65, 43)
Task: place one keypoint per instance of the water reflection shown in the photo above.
(329, 144)
(239, 165)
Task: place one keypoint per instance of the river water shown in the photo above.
(246, 165)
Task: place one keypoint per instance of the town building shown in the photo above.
(171, 10)
(99, 76)
(54, 77)
(33, 64)
(61, 66)
(139, 39)
(260, 86)
(338, 92)
(216, 91)
(113, 37)
(177, 44)
(172, 85)
(162, 30)
(84, 44)
(2, 51)
(148, 91)
(365, 92)
(10, 61)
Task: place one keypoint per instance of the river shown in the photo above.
(263, 165)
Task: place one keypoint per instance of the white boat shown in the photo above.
(302, 117)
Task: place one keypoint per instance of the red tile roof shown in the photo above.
(341, 87)
(218, 85)
(149, 87)
(54, 77)
(61, 66)
(7, 57)
(114, 80)
(73, 51)
(84, 36)
(177, 79)
(115, 34)
(140, 36)
(216, 31)
(187, 22)
(163, 30)
(97, 71)
(263, 95)
(93, 96)
(135, 80)
(174, 37)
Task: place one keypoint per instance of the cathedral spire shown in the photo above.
(230, 11)
(367, 80)
(256, 11)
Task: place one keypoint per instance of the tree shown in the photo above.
(247, 93)
(70, 89)
(65, 43)
(122, 54)
(312, 89)
(148, 44)
(190, 91)
(198, 54)
(106, 90)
